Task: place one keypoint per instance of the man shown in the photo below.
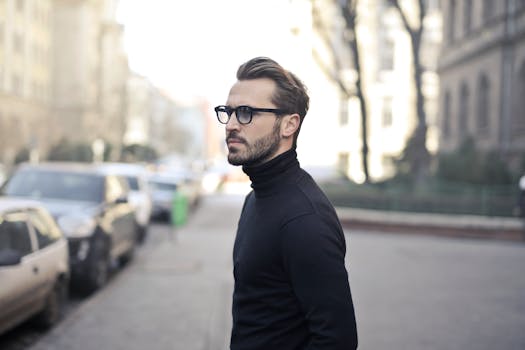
(291, 285)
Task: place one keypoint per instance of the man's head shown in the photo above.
(275, 103)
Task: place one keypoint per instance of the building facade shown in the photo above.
(482, 74)
(26, 77)
(386, 78)
(90, 72)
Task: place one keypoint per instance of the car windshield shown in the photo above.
(50, 184)
(162, 186)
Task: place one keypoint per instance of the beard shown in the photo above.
(259, 151)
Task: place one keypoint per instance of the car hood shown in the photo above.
(59, 208)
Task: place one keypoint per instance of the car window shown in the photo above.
(55, 185)
(14, 233)
(162, 186)
(115, 188)
(133, 183)
(46, 230)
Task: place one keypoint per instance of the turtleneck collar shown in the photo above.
(267, 177)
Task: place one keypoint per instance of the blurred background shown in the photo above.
(425, 95)
(416, 125)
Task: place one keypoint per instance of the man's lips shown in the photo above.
(234, 140)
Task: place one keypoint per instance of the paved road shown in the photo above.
(411, 292)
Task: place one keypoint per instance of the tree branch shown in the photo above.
(335, 76)
(403, 16)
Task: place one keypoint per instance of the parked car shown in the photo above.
(34, 267)
(163, 190)
(92, 209)
(139, 194)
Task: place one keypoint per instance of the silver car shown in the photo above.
(34, 265)
(92, 209)
(139, 192)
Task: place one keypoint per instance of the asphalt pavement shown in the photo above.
(175, 294)
(411, 292)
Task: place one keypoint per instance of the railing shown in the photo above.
(433, 197)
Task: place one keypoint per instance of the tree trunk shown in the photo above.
(420, 159)
(348, 9)
(363, 108)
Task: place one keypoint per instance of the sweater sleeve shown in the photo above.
(313, 256)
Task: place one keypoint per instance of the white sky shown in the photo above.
(193, 48)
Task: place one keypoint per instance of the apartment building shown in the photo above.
(25, 77)
(90, 71)
(386, 78)
(482, 74)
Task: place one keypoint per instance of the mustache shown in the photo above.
(234, 135)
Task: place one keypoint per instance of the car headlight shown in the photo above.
(77, 226)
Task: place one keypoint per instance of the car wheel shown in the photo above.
(128, 256)
(54, 306)
(98, 268)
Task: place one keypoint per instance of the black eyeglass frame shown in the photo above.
(229, 111)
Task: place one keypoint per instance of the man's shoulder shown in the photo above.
(306, 197)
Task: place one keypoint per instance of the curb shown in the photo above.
(464, 226)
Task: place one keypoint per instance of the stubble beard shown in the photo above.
(259, 152)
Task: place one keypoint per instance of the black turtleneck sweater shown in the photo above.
(291, 285)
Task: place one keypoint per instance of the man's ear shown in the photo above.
(290, 125)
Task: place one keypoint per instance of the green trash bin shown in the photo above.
(179, 209)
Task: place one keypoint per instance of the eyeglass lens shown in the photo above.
(242, 113)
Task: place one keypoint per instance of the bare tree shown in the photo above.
(349, 14)
(416, 155)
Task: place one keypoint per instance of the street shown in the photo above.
(410, 291)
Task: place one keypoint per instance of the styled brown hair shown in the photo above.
(290, 95)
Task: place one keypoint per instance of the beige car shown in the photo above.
(34, 265)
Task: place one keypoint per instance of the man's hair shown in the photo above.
(290, 95)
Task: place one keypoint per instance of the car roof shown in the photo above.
(12, 203)
(75, 167)
(127, 169)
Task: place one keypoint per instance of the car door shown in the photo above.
(21, 283)
(51, 247)
(121, 214)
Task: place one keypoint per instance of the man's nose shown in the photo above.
(233, 123)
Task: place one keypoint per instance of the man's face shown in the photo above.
(258, 141)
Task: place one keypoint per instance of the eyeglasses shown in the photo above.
(243, 114)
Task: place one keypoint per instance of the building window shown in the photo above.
(386, 112)
(430, 5)
(343, 111)
(488, 10)
(18, 43)
(387, 53)
(16, 84)
(431, 110)
(483, 104)
(343, 163)
(429, 51)
(20, 4)
(463, 115)
(446, 115)
(452, 21)
(467, 16)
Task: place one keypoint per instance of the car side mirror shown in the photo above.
(10, 257)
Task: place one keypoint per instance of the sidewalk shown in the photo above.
(500, 228)
(176, 294)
